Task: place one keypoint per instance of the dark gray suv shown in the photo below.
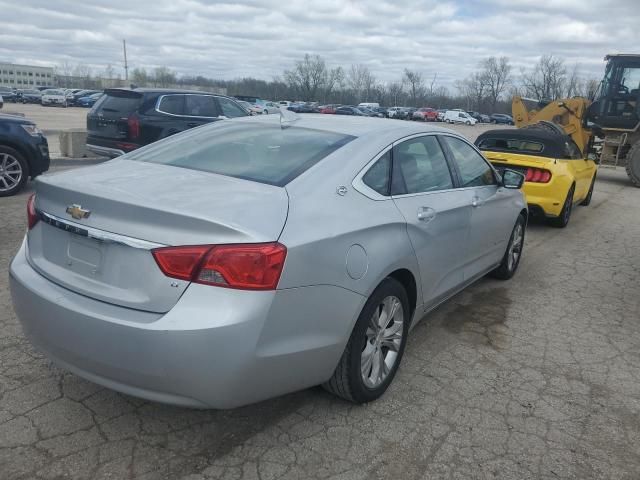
(124, 119)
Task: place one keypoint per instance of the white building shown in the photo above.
(25, 76)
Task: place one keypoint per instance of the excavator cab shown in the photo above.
(617, 102)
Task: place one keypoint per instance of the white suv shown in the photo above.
(458, 116)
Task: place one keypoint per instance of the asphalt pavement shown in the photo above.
(535, 378)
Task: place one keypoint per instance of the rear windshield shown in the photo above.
(119, 106)
(251, 151)
(511, 145)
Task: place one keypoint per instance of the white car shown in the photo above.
(369, 105)
(458, 116)
(284, 103)
(54, 96)
(269, 107)
(393, 112)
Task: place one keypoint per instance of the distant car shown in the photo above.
(123, 120)
(330, 109)
(440, 115)
(303, 108)
(458, 116)
(8, 94)
(73, 100)
(284, 103)
(480, 117)
(369, 105)
(250, 107)
(382, 111)
(501, 118)
(24, 153)
(394, 112)
(269, 107)
(29, 96)
(426, 114)
(369, 112)
(349, 111)
(409, 112)
(54, 97)
(89, 101)
(1, 102)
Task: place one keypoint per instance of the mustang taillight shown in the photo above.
(537, 175)
(252, 266)
(32, 215)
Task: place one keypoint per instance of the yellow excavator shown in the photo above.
(607, 128)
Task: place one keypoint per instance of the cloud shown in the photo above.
(261, 38)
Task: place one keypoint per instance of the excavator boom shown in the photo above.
(568, 114)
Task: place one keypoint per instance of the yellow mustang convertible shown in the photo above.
(557, 174)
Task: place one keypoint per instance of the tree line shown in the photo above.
(488, 88)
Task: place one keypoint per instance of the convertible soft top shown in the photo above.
(537, 141)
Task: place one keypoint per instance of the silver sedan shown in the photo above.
(254, 257)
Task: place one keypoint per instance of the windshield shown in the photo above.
(251, 151)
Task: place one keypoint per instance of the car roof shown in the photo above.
(354, 126)
(164, 90)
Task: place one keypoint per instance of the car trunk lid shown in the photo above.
(134, 207)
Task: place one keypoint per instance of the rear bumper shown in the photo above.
(105, 151)
(216, 347)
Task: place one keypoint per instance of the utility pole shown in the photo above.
(126, 67)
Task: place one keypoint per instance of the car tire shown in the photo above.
(8, 157)
(562, 220)
(468, 122)
(513, 254)
(494, 122)
(587, 200)
(348, 380)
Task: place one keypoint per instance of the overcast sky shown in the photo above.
(260, 38)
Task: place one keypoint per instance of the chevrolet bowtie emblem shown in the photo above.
(77, 212)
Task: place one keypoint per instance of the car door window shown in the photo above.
(572, 151)
(200, 106)
(474, 169)
(378, 177)
(419, 165)
(230, 109)
(172, 104)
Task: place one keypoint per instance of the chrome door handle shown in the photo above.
(476, 202)
(426, 214)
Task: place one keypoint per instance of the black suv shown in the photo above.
(123, 120)
(24, 153)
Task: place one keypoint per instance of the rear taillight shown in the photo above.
(255, 266)
(537, 175)
(32, 215)
(133, 124)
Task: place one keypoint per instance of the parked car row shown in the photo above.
(63, 97)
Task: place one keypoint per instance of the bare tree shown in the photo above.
(474, 89)
(163, 77)
(496, 75)
(139, 77)
(307, 76)
(547, 79)
(360, 81)
(432, 84)
(396, 92)
(335, 78)
(415, 83)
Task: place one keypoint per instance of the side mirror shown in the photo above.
(512, 179)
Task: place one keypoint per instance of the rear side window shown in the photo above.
(172, 104)
(378, 176)
(200, 106)
(231, 109)
(251, 151)
(119, 106)
(511, 145)
(572, 151)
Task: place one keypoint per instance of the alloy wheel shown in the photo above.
(515, 248)
(383, 340)
(10, 172)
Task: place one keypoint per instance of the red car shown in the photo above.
(328, 109)
(426, 114)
